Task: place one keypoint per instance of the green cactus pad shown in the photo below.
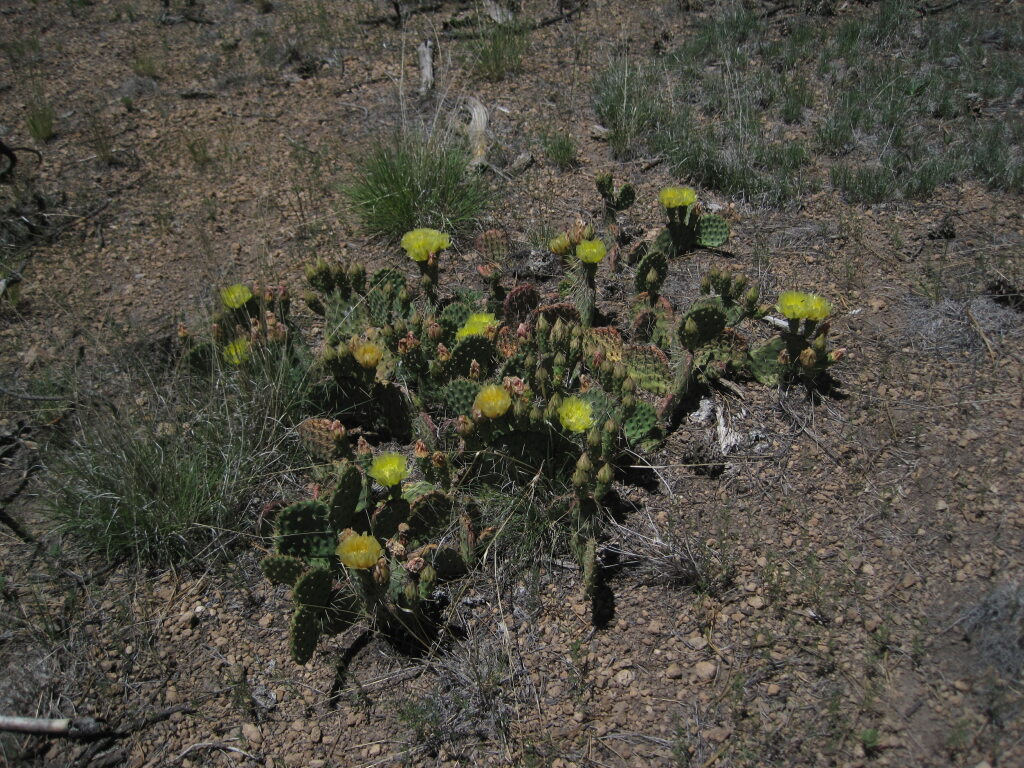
(448, 562)
(764, 362)
(387, 517)
(428, 510)
(712, 231)
(313, 589)
(302, 530)
(641, 423)
(708, 320)
(387, 279)
(471, 348)
(654, 260)
(305, 633)
(283, 569)
(453, 317)
(345, 497)
(492, 244)
(649, 366)
(459, 396)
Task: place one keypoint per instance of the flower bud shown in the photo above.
(382, 572)
(605, 474)
(584, 464)
(808, 358)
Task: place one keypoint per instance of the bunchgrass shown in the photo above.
(561, 149)
(39, 116)
(630, 102)
(175, 475)
(498, 52)
(413, 181)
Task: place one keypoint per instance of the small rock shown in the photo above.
(267, 619)
(674, 671)
(705, 670)
(719, 734)
(756, 602)
(252, 733)
(625, 677)
(774, 689)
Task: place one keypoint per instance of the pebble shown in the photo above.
(705, 670)
(252, 733)
(625, 676)
(674, 671)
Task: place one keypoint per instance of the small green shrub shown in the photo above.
(413, 181)
(39, 116)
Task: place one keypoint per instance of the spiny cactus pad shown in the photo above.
(519, 303)
(649, 366)
(305, 632)
(471, 348)
(345, 498)
(705, 320)
(712, 231)
(640, 423)
(313, 589)
(459, 396)
(302, 530)
(606, 342)
(654, 264)
(324, 438)
(453, 317)
(283, 569)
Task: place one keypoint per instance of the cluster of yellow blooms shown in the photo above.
(389, 469)
(492, 401)
(477, 325)
(360, 551)
(803, 306)
(677, 197)
(421, 244)
(590, 251)
(575, 414)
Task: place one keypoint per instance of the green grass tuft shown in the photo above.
(413, 182)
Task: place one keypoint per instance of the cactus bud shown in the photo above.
(434, 331)
(620, 373)
(357, 276)
(808, 358)
(542, 327)
(628, 385)
(752, 297)
(607, 368)
(410, 593)
(557, 331)
(427, 577)
(629, 402)
(536, 415)
(464, 426)
(605, 474)
(560, 245)
(520, 409)
(382, 572)
(594, 439)
(560, 360)
(819, 344)
(651, 280)
(611, 427)
(784, 358)
(690, 327)
(580, 479)
(584, 464)
(705, 283)
(739, 284)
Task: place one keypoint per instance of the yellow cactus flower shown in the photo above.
(796, 305)
(590, 251)
(477, 325)
(575, 414)
(389, 469)
(359, 551)
(237, 352)
(421, 244)
(818, 307)
(235, 296)
(492, 401)
(367, 353)
(677, 197)
(793, 304)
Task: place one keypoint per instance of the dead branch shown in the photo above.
(425, 53)
(477, 132)
(71, 728)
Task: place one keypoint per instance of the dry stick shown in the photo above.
(477, 132)
(981, 332)
(72, 728)
(425, 53)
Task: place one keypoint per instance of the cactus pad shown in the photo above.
(471, 348)
(305, 632)
(345, 497)
(605, 342)
(712, 231)
(303, 532)
(654, 261)
(640, 423)
(519, 303)
(313, 589)
(459, 396)
(324, 438)
(283, 569)
(649, 366)
(492, 244)
(705, 320)
(453, 317)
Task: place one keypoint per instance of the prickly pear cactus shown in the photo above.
(283, 569)
(304, 633)
(712, 231)
(650, 368)
(641, 424)
(519, 303)
(302, 531)
(459, 396)
(704, 321)
(324, 438)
